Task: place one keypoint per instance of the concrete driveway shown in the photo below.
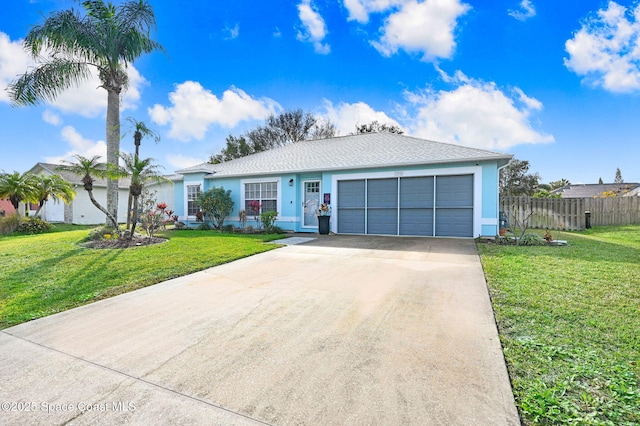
(338, 331)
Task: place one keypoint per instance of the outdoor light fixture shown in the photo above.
(290, 182)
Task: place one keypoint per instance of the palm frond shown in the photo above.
(47, 81)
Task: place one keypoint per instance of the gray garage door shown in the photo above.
(430, 206)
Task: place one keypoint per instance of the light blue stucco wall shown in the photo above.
(290, 203)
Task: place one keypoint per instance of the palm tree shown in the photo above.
(89, 169)
(54, 187)
(107, 38)
(17, 187)
(140, 172)
(140, 130)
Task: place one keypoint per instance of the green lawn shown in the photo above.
(48, 273)
(569, 322)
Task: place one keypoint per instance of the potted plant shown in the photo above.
(324, 216)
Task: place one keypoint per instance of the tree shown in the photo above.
(52, 187)
(279, 130)
(376, 127)
(18, 187)
(140, 172)
(236, 148)
(515, 181)
(216, 203)
(89, 169)
(600, 181)
(140, 130)
(556, 184)
(68, 45)
(618, 178)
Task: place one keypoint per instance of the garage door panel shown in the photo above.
(382, 221)
(416, 222)
(382, 193)
(351, 193)
(351, 221)
(416, 192)
(454, 222)
(454, 191)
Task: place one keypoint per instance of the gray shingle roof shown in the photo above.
(348, 153)
(589, 190)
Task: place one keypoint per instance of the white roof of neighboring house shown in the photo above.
(347, 153)
(77, 180)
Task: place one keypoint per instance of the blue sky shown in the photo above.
(554, 83)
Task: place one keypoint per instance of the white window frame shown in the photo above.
(277, 181)
(186, 196)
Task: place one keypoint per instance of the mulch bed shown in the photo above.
(136, 241)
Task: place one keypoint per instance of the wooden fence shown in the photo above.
(569, 213)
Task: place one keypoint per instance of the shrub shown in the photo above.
(229, 229)
(97, 234)
(33, 225)
(205, 227)
(8, 224)
(216, 204)
(268, 220)
(532, 240)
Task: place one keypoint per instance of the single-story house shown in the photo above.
(81, 210)
(592, 190)
(376, 183)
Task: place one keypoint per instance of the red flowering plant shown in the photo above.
(255, 207)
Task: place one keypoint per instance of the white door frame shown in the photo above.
(304, 193)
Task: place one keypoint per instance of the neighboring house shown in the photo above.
(376, 183)
(81, 210)
(589, 190)
(6, 208)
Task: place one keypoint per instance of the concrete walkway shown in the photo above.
(336, 331)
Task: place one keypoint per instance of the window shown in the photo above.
(262, 195)
(193, 192)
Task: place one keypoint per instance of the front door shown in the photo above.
(311, 203)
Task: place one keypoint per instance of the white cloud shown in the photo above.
(180, 161)
(232, 32)
(79, 145)
(527, 10)
(475, 114)
(359, 10)
(606, 50)
(427, 27)
(314, 28)
(193, 109)
(51, 117)
(347, 116)
(14, 61)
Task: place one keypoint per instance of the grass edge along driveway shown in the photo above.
(48, 273)
(569, 323)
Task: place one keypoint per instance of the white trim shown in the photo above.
(278, 181)
(302, 189)
(476, 171)
(185, 184)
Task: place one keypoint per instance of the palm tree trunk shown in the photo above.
(111, 220)
(40, 206)
(134, 220)
(129, 212)
(113, 149)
